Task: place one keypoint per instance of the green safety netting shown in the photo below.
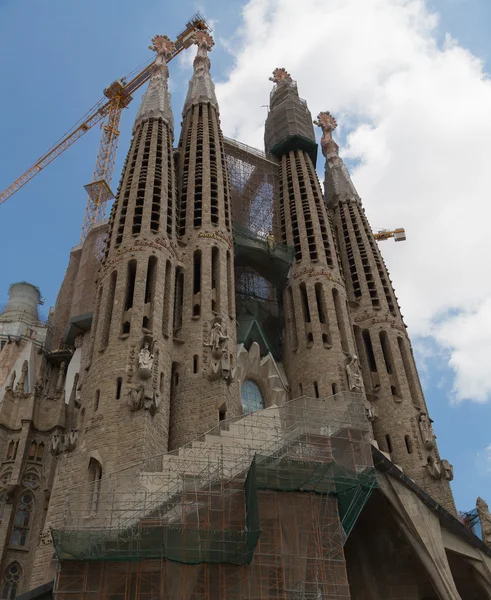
(186, 545)
(288, 474)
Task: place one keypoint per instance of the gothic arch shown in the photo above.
(12, 576)
(265, 372)
(379, 552)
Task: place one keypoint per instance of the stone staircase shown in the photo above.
(221, 454)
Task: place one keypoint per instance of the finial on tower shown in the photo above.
(280, 74)
(328, 124)
(201, 88)
(164, 47)
(156, 100)
(205, 43)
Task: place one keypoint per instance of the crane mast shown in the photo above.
(117, 96)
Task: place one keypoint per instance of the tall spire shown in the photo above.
(156, 100)
(338, 182)
(201, 87)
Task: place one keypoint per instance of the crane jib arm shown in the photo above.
(117, 96)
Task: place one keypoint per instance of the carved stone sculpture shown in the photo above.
(12, 380)
(45, 538)
(439, 469)
(221, 364)
(485, 519)
(70, 440)
(22, 379)
(427, 433)
(355, 381)
(61, 377)
(134, 397)
(57, 444)
(145, 362)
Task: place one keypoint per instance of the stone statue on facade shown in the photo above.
(23, 376)
(217, 340)
(70, 440)
(485, 519)
(427, 433)
(61, 378)
(134, 397)
(12, 380)
(143, 393)
(57, 444)
(145, 360)
(221, 365)
(355, 381)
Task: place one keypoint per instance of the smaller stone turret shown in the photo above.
(23, 303)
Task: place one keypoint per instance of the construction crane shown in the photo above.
(108, 110)
(399, 235)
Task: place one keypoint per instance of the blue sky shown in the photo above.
(57, 58)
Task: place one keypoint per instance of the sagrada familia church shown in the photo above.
(224, 402)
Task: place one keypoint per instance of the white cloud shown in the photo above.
(418, 120)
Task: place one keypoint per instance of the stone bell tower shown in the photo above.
(318, 342)
(130, 357)
(203, 387)
(402, 426)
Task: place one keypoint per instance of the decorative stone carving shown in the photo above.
(204, 41)
(485, 519)
(45, 539)
(78, 341)
(12, 380)
(70, 440)
(143, 393)
(281, 74)
(439, 469)
(221, 364)
(145, 362)
(355, 381)
(57, 443)
(427, 433)
(61, 378)
(370, 412)
(22, 379)
(134, 397)
(162, 45)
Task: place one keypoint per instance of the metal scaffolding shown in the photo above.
(258, 507)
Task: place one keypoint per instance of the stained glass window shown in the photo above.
(251, 396)
(11, 578)
(22, 520)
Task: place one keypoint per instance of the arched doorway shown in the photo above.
(380, 561)
(467, 579)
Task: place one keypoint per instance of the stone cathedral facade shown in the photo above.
(224, 402)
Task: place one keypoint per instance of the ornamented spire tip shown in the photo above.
(162, 44)
(203, 40)
(328, 124)
(281, 74)
(326, 121)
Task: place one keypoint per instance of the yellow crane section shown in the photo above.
(116, 97)
(399, 235)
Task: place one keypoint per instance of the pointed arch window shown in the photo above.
(251, 396)
(40, 452)
(95, 477)
(32, 451)
(11, 579)
(22, 520)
